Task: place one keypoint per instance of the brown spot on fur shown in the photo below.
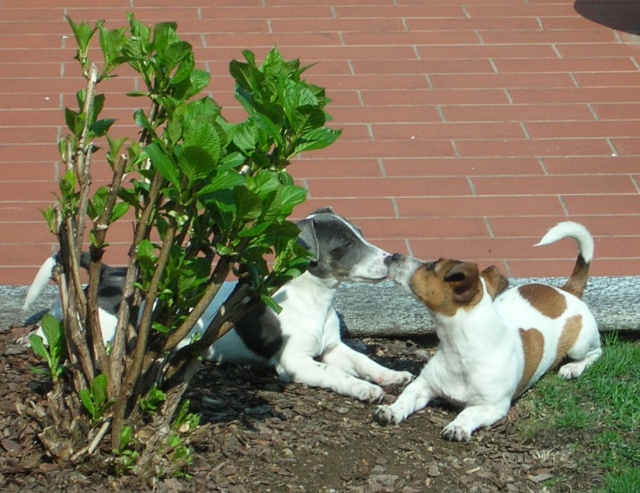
(447, 285)
(577, 282)
(533, 345)
(570, 333)
(496, 282)
(545, 299)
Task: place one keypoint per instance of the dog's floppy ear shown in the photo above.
(464, 278)
(307, 237)
(496, 282)
(324, 210)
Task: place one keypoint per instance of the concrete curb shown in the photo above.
(384, 310)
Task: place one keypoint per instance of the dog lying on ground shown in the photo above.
(494, 344)
(303, 341)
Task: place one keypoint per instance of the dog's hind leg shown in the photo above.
(575, 368)
(359, 365)
(301, 368)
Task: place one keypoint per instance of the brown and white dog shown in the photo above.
(495, 344)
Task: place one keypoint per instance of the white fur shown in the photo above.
(480, 361)
(312, 352)
(569, 229)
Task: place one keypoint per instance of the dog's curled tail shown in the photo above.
(577, 282)
(40, 282)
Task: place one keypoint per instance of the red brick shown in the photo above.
(462, 167)
(545, 37)
(516, 112)
(484, 51)
(423, 227)
(353, 209)
(427, 66)
(626, 146)
(600, 267)
(591, 165)
(387, 187)
(368, 10)
(617, 111)
(318, 168)
(555, 65)
(544, 95)
(17, 213)
(408, 148)
(240, 11)
(471, 24)
(330, 24)
(562, 130)
(411, 38)
(520, 10)
(378, 113)
(480, 130)
(541, 148)
(596, 50)
(609, 79)
(424, 96)
(477, 206)
(557, 185)
(492, 81)
(394, 70)
(603, 204)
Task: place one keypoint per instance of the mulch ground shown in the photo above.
(260, 435)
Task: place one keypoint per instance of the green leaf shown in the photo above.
(199, 80)
(87, 402)
(112, 43)
(83, 33)
(52, 330)
(163, 164)
(71, 118)
(146, 255)
(37, 344)
(317, 139)
(119, 210)
(140, 119)
(96, 206)
(181, 56)
(226, 181)
(99, 389)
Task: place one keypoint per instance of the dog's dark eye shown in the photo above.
(430, 266)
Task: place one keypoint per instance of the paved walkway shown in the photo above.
(470, 126)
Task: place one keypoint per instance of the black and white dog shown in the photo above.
(303, 341)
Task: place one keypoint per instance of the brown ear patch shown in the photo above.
(464, 279)
(533, 345)
(570, 333)
(544, 298)
(496, 282)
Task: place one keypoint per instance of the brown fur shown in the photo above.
(496, 282)
(447, 285)
(577, 282)
(545, 299)
(533, 345)
(570, 333)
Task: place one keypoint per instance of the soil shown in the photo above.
(260, 435)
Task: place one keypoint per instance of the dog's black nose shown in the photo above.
(392, 258)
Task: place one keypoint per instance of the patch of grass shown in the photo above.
(602, 407)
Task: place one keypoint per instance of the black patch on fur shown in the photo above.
(261, 332)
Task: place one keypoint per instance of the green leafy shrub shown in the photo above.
(208, 199)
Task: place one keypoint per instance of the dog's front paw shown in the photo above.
(456, 433)
(385, 415)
